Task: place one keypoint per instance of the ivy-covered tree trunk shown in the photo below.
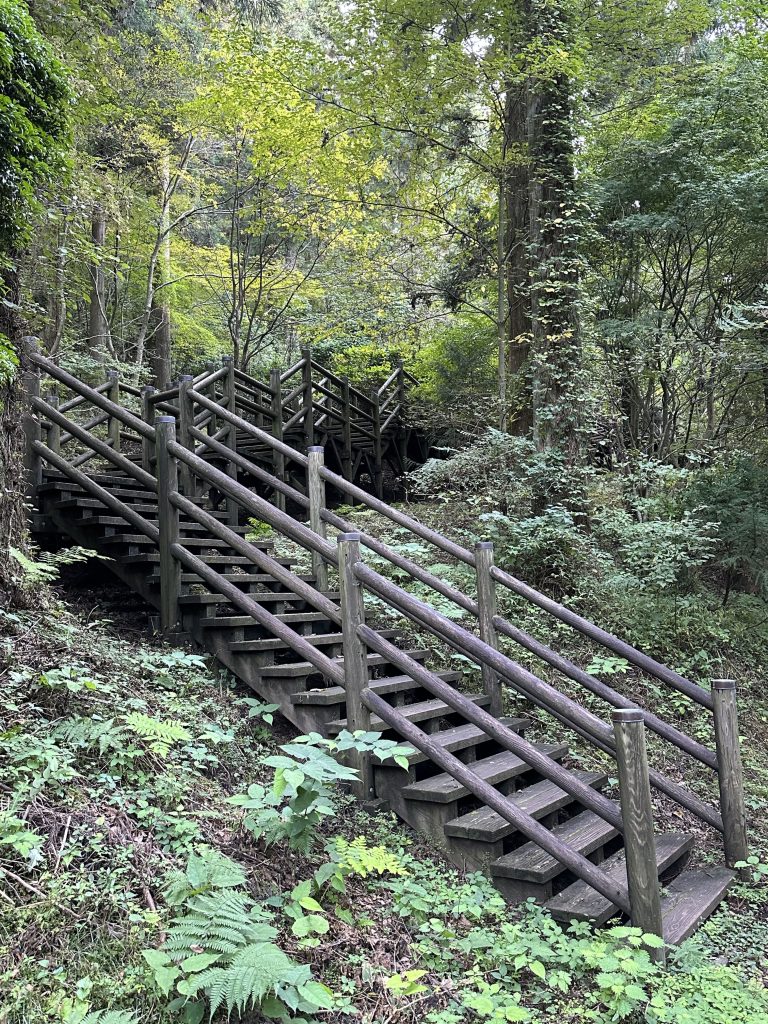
(553, 246)
(515, 241)
(13, 519)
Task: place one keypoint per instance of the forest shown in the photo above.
(384, 393)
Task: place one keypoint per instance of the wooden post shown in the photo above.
(355, 656)
(53, 439)
(486, 605)
(32, 432)
(168, 523)
(114, 424)
(729, 772)
(378, 474)
(309, 411)
(316, 491)
(637, 814)
(346, 412)
(402, 437)
(148, 415)
(278, 459)
(186, 478)
(233, 509)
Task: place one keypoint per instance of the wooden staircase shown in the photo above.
(523, 812)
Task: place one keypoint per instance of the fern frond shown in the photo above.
(88, 733)
(159, 736)
(110, 1017)
(217, 922)
(254, 973)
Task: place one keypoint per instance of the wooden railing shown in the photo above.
(174, 465)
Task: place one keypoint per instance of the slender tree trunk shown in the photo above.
(57, 307)
(161, 300)
(98, 327)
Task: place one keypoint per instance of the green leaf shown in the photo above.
(199, 962)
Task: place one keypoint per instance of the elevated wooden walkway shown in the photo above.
(168, 499)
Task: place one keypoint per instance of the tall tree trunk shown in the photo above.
(13, 520)
(554, 273)
(161, 297)
(98, 326)
(518, 321)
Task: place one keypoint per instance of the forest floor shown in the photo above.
(120, 756)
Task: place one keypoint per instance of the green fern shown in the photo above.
(206, 870)
(217, 922)
(158, 736)
(256, 971)
(90, 734)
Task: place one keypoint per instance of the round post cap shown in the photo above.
(624, 715)
(342, 537)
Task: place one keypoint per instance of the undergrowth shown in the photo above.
(169, 851)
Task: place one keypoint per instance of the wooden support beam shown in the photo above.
(378, 473)
(355, 655)
(316, 491)
(184, 435)
(113, 425)
(230, 393)
(32, 433)
(346, 411)
(486, 611)
(54, 429)
(308, 398)
(168, 523)
(148, 415)
(637, 814)
(278, 459)
(729, 771)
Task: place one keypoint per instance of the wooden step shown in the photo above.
(185, 525)
(383, 686)
(422, 711)
(580, 902)
(204, 543)
(585, 833)
(261, 596)
(538, 800)
(67, 504)
(690, 899)
(152, 557)
(259, 646)
(497, 768)
(304, 668)
(239, 621)
(463, 737)
(246, 578)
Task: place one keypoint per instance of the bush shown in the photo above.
(736, 498)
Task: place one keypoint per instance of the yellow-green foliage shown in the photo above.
(361, 859)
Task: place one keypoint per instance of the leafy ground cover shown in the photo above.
(169, 850)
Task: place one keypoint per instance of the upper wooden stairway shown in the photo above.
(169, 502)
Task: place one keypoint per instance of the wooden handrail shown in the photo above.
(90, 486)
(98, 447)
(495, 729)
(81, 399)
(662, 728)
(93, 395)
(566, 710)
(492, 798)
